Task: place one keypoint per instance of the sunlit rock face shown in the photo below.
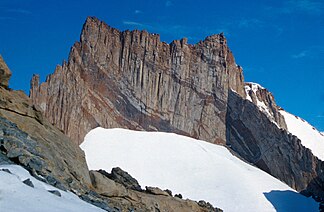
(133, 80)
(5, 73)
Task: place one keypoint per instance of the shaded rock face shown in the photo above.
(133, 80)
(258, 140)
(5, 73)
(27, 139)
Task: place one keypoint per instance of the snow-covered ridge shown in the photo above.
(254, 87)
(17, 196)
(251, 86)
(196, 169)
(310, 137)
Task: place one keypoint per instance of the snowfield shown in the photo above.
(196, 169)
(19, 197)
(309, 136)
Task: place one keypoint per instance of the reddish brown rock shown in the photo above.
(133, 80)
(28, 140)
(152, 199)
(5, 73)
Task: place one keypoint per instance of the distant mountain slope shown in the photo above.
(194, 168)
(264, 100)
(309, 136)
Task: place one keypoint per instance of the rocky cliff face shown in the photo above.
(5, 73)
(29, 140)
(257, 139)
(131, 79)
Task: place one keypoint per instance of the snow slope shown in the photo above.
(196, 169)
(309, 136)
(16, 196)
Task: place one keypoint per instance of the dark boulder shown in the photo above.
(55, 192)
(28, 182)
(6, 170)
(120, 176)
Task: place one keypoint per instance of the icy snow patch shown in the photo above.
(196, 169)
(309, 136)
(247, 89)
(263, 108)
(16, 196)
(255, 86)
(261, 105)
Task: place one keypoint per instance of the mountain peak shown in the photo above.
(95, 27)
(218, 38)
(149, 82)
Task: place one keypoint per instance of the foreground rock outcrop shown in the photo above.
(29, 140)
(150, 199)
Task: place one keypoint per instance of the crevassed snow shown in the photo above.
(18, 197)
(196, 169)
(309, 136)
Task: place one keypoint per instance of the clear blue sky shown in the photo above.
(279, 43)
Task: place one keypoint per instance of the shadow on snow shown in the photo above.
(285, 201)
